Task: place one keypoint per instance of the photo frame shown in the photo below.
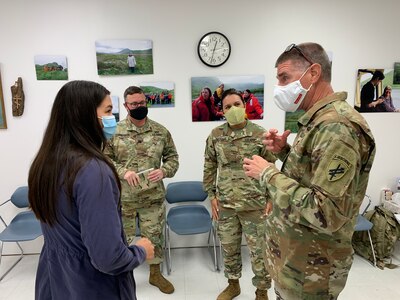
(124, 57)
(207, 92)
(51, 67)
(159, 93)
(375, 99)
(3, 121)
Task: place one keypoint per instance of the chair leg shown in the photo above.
(372, 248)
(216, 262)
(18, 260)
(168, 247)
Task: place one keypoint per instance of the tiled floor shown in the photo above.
(194, 279)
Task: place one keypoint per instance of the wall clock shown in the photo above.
(214, 49)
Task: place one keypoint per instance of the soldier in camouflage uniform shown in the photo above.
(317, 194)
(137, 150)
(238, 202)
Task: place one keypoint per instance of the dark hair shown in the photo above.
(314, 52)
(378, 75)
(132, 90)
(72, 137)
(248, 91)
(231, 92)
(208, 89)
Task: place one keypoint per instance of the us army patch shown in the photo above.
(337, 167)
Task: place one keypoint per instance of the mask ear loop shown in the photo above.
(303, 76)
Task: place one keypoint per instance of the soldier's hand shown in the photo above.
(148, 247)
(215, 209)
(268, 208)
(275, 142)
(253, 167)
(132, 178)
(156, 175)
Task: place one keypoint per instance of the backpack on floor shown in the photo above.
(384, 234)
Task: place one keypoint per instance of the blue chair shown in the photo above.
(363, 224)
(23, 227)
(188, 219)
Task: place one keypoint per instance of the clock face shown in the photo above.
(214, 49)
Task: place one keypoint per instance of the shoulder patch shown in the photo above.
(337, 168)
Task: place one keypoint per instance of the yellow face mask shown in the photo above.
(235, 115)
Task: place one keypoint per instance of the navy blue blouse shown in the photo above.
(85, 255)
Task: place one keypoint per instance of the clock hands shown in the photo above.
(215, 45)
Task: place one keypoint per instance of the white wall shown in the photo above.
(259, 30)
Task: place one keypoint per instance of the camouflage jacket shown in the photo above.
(316, 198)
(140, 148)
(224, 176)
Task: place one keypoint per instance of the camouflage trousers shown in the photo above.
(231, 225)
(287, 294)
(151, 223)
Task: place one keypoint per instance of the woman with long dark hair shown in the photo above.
(74, 191)
(203, 107)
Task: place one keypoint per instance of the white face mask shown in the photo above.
(289, 97)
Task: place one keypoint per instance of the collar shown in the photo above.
(237, 133)
(132, 127)
(307, 117)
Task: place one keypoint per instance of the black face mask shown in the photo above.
(139, 113)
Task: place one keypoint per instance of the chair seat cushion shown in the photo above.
(189, 219)
(24, 227)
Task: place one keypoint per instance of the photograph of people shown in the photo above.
(238, 202)
(218, 95)
(207, 106)
(203, 108)
(124, 57)
(254, 110)
(317, 194)
(368, 97)
(131, 62)
(387, 104)
(74, 191)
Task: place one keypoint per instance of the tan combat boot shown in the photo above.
(231, 291)
(261, 294)
(159, 281)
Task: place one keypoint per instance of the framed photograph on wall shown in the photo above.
(376, 91)
(159, 93)
(51, 67)
(207, 92)
(124, 57)
(3, 122)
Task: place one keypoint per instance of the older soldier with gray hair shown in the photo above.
(238, 202)
(317, 194)
(144, 153)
